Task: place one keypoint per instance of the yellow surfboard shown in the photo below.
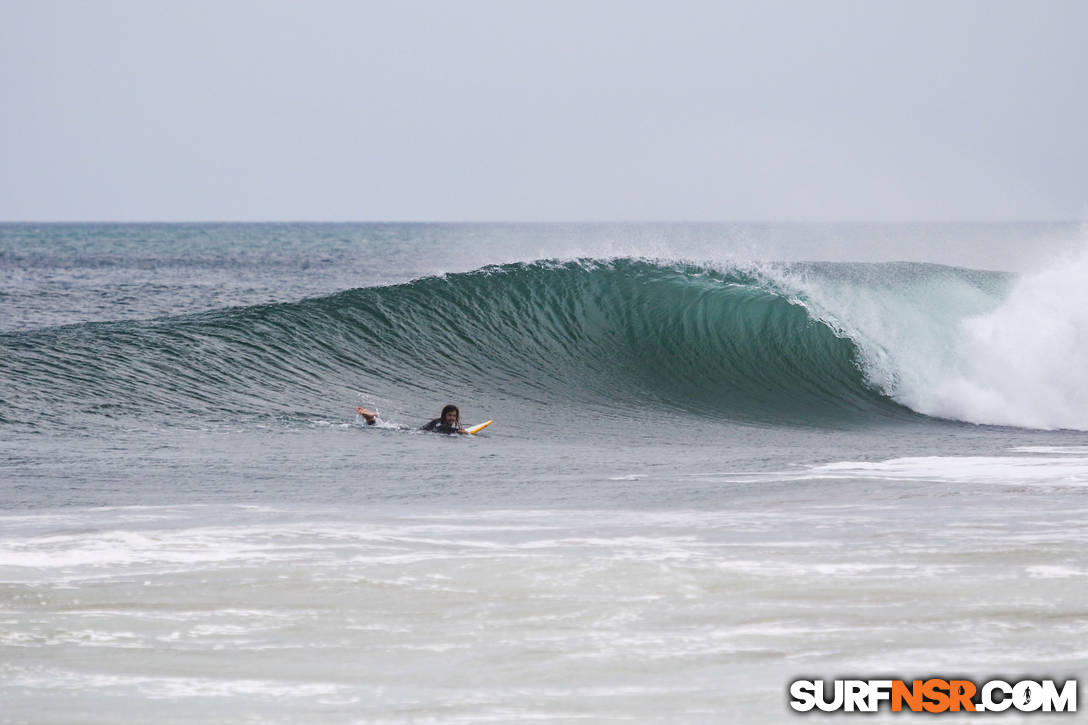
(480, 427)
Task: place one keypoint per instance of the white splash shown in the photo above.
(950, 346)
(1024, 363)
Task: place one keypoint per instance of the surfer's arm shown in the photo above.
(371, 417)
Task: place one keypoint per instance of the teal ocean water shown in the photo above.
(723, 457)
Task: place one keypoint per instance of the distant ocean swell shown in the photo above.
(809, 344)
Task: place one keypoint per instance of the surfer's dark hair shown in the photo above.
(450, 409)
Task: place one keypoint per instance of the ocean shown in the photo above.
(724, 457)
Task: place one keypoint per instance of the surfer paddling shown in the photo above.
(448, 422)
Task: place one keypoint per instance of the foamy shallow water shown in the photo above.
(292, 614)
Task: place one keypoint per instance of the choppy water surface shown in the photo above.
(712, 470)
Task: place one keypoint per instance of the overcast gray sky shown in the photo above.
(552, 110)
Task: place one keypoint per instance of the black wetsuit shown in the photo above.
(437, 426)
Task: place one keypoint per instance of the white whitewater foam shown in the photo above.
(1016, 470)
(1023, 364)
(1068, 471)
(946, 347)
(1043, 450)
(351, 615)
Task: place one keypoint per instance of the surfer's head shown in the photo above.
(451, 416)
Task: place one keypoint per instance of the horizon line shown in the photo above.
(542, 222)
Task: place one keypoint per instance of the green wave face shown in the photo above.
(598, 339)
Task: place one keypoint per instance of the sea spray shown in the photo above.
(1023, 363)
(978, 347)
